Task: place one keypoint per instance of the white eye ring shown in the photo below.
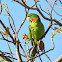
(28, 18)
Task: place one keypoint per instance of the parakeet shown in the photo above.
(36, 30)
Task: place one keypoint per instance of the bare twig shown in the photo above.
(43, 10)
(1, 7)
(11, 26)
(56, 4)
(55, 22)
(60, 1)
(53, 9)
(1, 35)
(53, 6)
(24, 5)
(11, 57)
(10, 17)
(44, 52)
(6, 30)
(49, 19)
(17, 44)
(5, 58)
(10, 50)
(8, 55)
(40, 58)
(1, 29)
(34, 4)
(6, 40)
(22, 50)
(22, 22)
(40, 13)
(48, 57)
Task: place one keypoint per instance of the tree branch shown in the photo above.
(6, 30)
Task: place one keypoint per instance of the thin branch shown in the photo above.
(8, 55)
(1, 34)
(17, 43)
(48, 57)
(1, 7)
(6, 30)
(1, 29)
(10, 50)
(24, 5)
(48, 18)
(53, 6)
(22, 22)
(10, 17)
(40, 58)
(58, 20)
(34, 4)
(11, 54)
(53, 9)
(18, 52)
(44, 52)
(60, 1)
(57, 5)
(11, 26)
(1, 60)
(40, 13)
(7, 40)
(22, 50)
(52, 42)
(11, 57)
(43, 10)
(4, 38)
(5, 58)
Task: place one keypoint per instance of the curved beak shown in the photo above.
(28, 18)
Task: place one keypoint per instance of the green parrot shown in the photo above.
(36, 30)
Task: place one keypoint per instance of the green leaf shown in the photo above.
(55, 28)
(3, 4)
(53, 34)
(4, 9)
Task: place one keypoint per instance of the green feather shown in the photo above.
(37, 28)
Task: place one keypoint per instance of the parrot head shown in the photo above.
(33, 17)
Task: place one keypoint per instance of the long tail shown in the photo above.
(34, 52)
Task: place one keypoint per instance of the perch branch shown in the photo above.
(44, 52)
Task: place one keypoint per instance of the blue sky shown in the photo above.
(18, 13)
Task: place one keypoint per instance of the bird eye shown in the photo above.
(31, 15)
